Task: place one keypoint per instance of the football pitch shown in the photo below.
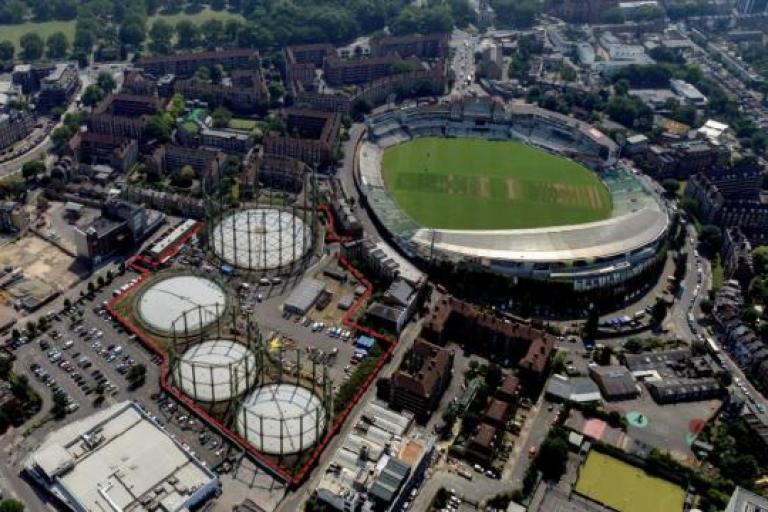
(480, 184)
(626, 488)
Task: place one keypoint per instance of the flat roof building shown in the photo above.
(377, 463)
(185, 64)
(109, 461)
(573, 389)
(304, 296)
(615, 382)
(743, 500)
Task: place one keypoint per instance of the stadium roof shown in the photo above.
(605, 238)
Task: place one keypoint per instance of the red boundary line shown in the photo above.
(138, 263)
(331, 235)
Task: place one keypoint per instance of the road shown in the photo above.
(533, 434)
(695, 287)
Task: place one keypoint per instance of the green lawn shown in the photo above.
(480, 184)
(718, 273)
(13, 33)
(242, 124)
(190, 126)
(626, 488)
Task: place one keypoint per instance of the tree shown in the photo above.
(685, 114)
(690, 205)
(60, 136)
(213, 32)
(231, 29)
(32, 46)
(92, 95)
(711, 238)
(186, 33)
(760, 259)
(659, 311)
(137, 375)
(276, 91)
(553, 455)
(590, 326)
(216, 73)
(706, 306)
(32, 329)
(161, 34)
(67, 303)
(7, 50)
(12, 12)
(671, 186)
(131, 32)
(493, 377)
(188, 172)
(106, 82)
(59, 408)
(221, 117)
(157, 128)
(628, 110)
(57, 45)
(602, 356)
(360, 108)
(516, 13)
(91, 287)
(203, 73)
(86, 30)
(32, 168)
(100, 281)
(613, 15)
(6, 365)
(11, 505)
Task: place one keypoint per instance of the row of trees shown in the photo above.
(265, 24)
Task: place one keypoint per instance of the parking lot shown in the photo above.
(86, 352)
(332, 344)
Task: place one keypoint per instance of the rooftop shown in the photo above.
(108, 461)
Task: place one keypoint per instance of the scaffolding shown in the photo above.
(273, 232)
(290, 410)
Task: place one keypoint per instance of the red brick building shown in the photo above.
(423, 376)
(310, 136)
(464, 323)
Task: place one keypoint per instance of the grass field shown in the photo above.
(13, 33)
(626, 488)
(242, 124)
(481, 184)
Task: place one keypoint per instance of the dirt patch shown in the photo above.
(596, 200)
(513, 189)
(484, 186)
(39, 259)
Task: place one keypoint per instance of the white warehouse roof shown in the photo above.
(108, 461)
